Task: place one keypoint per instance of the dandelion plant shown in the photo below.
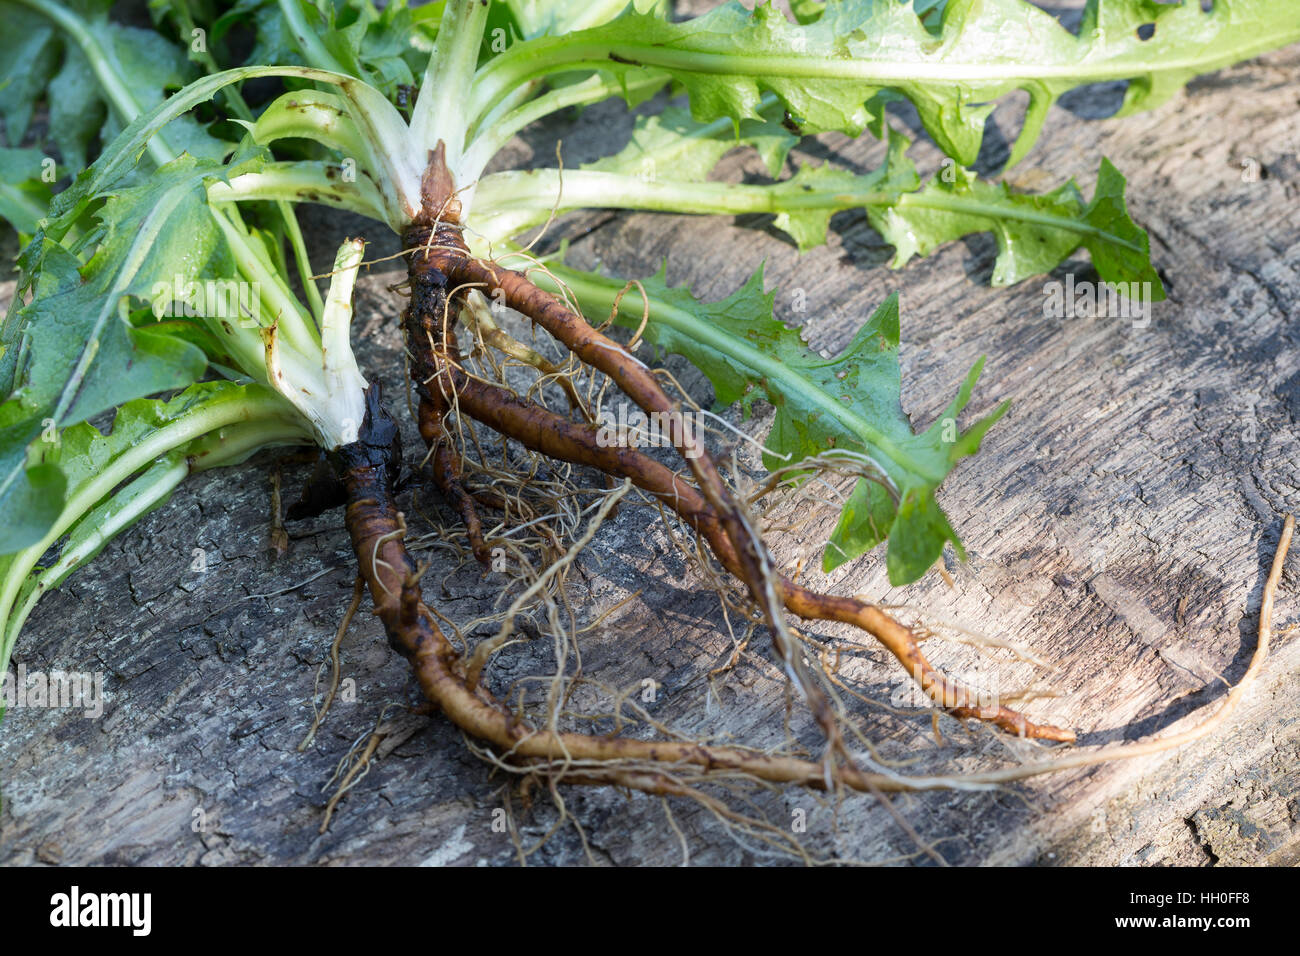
(168, 282)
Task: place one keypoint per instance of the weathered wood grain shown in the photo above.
(1119, 521)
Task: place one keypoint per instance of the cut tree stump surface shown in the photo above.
(1120, 521)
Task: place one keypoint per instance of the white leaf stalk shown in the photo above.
(389, 152)
(440, 114)
(325, 386)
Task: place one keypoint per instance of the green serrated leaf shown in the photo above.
(84, 355)
(826, 69)
(1035, 232)
(850, 402)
